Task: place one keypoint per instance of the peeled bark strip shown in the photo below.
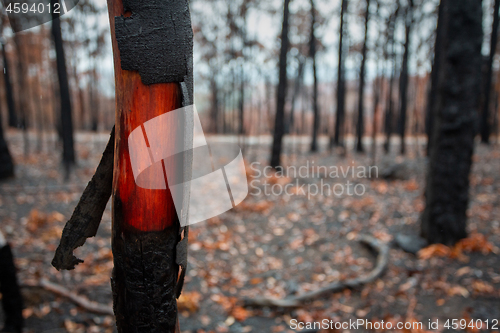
(292, 302)
(87, 215)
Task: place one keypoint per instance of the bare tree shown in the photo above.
(312, 54)
(361, 93)
(338, 138)
(432, 99)
(403, 80)
(279, 126)
(444, 217)
(485, 117)
(62, 75)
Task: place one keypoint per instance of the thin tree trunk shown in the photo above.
(444, 217)
(389, 121)
(66, 113)
(8, 90)
(403, 87)
(361, 93)
(377, 91)
(431, 102)
(312, 54)
(22, 100)
(485, 117)
(279, 126)
(214, 112)
(296, 92)
(6, 163)
(338, 139)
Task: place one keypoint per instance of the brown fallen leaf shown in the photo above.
(189, 301)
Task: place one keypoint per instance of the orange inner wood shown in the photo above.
(136, 103)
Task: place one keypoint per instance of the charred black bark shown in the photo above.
(214, 109)
(88, 213)
(160, 49)
(12, 301)
(444, 217)
(361, 94)
(296, 91)
(6, 163)
(144, 280)
(279, 123)
(431, 101)
(338, 138)
(8, 90)
(403, 83)
(66, 112)
(389, 113)
(312, 54)
(485, 117)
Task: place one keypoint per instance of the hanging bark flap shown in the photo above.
(87, 215)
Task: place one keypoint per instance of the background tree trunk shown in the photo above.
(485, 117)
(444, 217)
(431, 102)
(338, 139)
(9, 95)
(279, 126)
(12, 301)
(312, 54)
(361, 94)
(296, 92)
(403, 87)
(66, 113)
(6, 163)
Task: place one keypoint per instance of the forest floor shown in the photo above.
(273, 245)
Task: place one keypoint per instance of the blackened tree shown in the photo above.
(361, 94)
(312, 54)
(62, 75)
(485, 117)
(340, 116)
(444, 217)
(279, 123)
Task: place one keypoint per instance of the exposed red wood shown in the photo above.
(136, 103)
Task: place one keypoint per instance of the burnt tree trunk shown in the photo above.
(153, 75)
(22, 105)
(444, 217)
(389, 112)
(12, 301)
(296, 92)
(312, 54)
(9, 95)
(6, 163)
(485, 117)
(279, 123)
(338, 139)
(403, 83)
(214, 108)
(361, 94)
(431, 101)
(64, 94)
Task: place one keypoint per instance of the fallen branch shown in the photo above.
(81, 301)
(291, 302)
(87, 215)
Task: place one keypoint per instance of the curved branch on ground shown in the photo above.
(382, 250)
